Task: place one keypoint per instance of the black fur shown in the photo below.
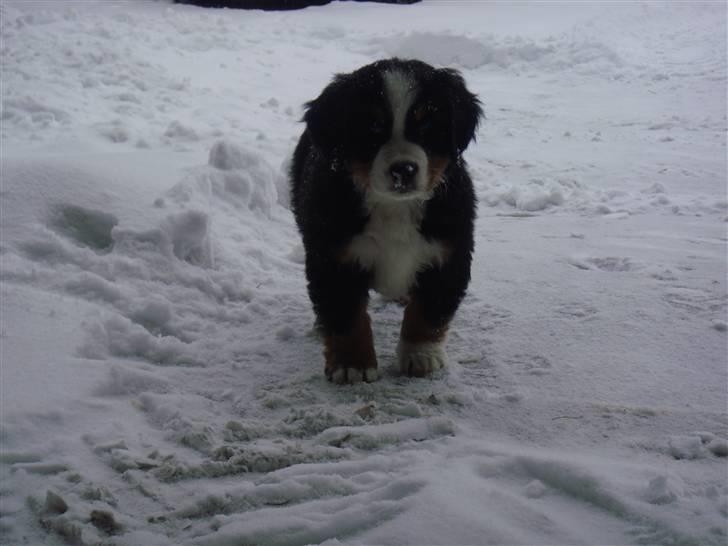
(329, 212)
(346, 125)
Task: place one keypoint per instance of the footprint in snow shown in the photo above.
(86, 227)
(607, 263)
(576, 310)
(531, 364)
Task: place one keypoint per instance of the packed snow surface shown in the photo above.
(161, 381)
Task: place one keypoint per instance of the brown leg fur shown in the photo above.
(419, 349)
(415, 328)
(350, 357)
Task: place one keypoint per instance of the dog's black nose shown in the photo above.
(404, 174)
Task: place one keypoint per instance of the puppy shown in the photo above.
(383, 201)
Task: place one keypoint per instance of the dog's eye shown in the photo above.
(425, 112)
(426, 115)
(376, 127)
(376, 122)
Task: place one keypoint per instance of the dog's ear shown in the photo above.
(325, 116)
(466, 108)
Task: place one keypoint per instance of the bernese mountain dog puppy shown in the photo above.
(383, 201)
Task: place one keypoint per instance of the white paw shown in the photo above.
(342, 376)
(420, 359)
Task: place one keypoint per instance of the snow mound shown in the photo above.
(234, 176)
(442, 49)
(533, 196)
(686, 447)
(243, 177)
(447, 50)
(226, 156)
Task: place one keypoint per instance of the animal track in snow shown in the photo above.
(612, 263)
(693, 299)
(577, 310)
(87, 227)
(531, 364)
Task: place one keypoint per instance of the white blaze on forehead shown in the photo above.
(401, 93)
(391, 245)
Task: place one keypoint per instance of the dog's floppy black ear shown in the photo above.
(325, 116)
(466, 109)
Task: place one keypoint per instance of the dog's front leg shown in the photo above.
(434, 300)
(349, 354)
(421, 348)
(340, 294)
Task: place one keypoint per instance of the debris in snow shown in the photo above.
(105, 521)
(54, 504)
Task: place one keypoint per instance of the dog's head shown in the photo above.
(395, 124)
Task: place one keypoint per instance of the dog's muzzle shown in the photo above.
(404, 176)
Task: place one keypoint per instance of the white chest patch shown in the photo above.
(392, 248)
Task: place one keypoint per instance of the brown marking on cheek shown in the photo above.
(360, 174)
(435, 169)
(416, 329)
(353, 349)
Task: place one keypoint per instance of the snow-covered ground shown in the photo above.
(160, 381)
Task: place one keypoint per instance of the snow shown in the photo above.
(161, 381)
